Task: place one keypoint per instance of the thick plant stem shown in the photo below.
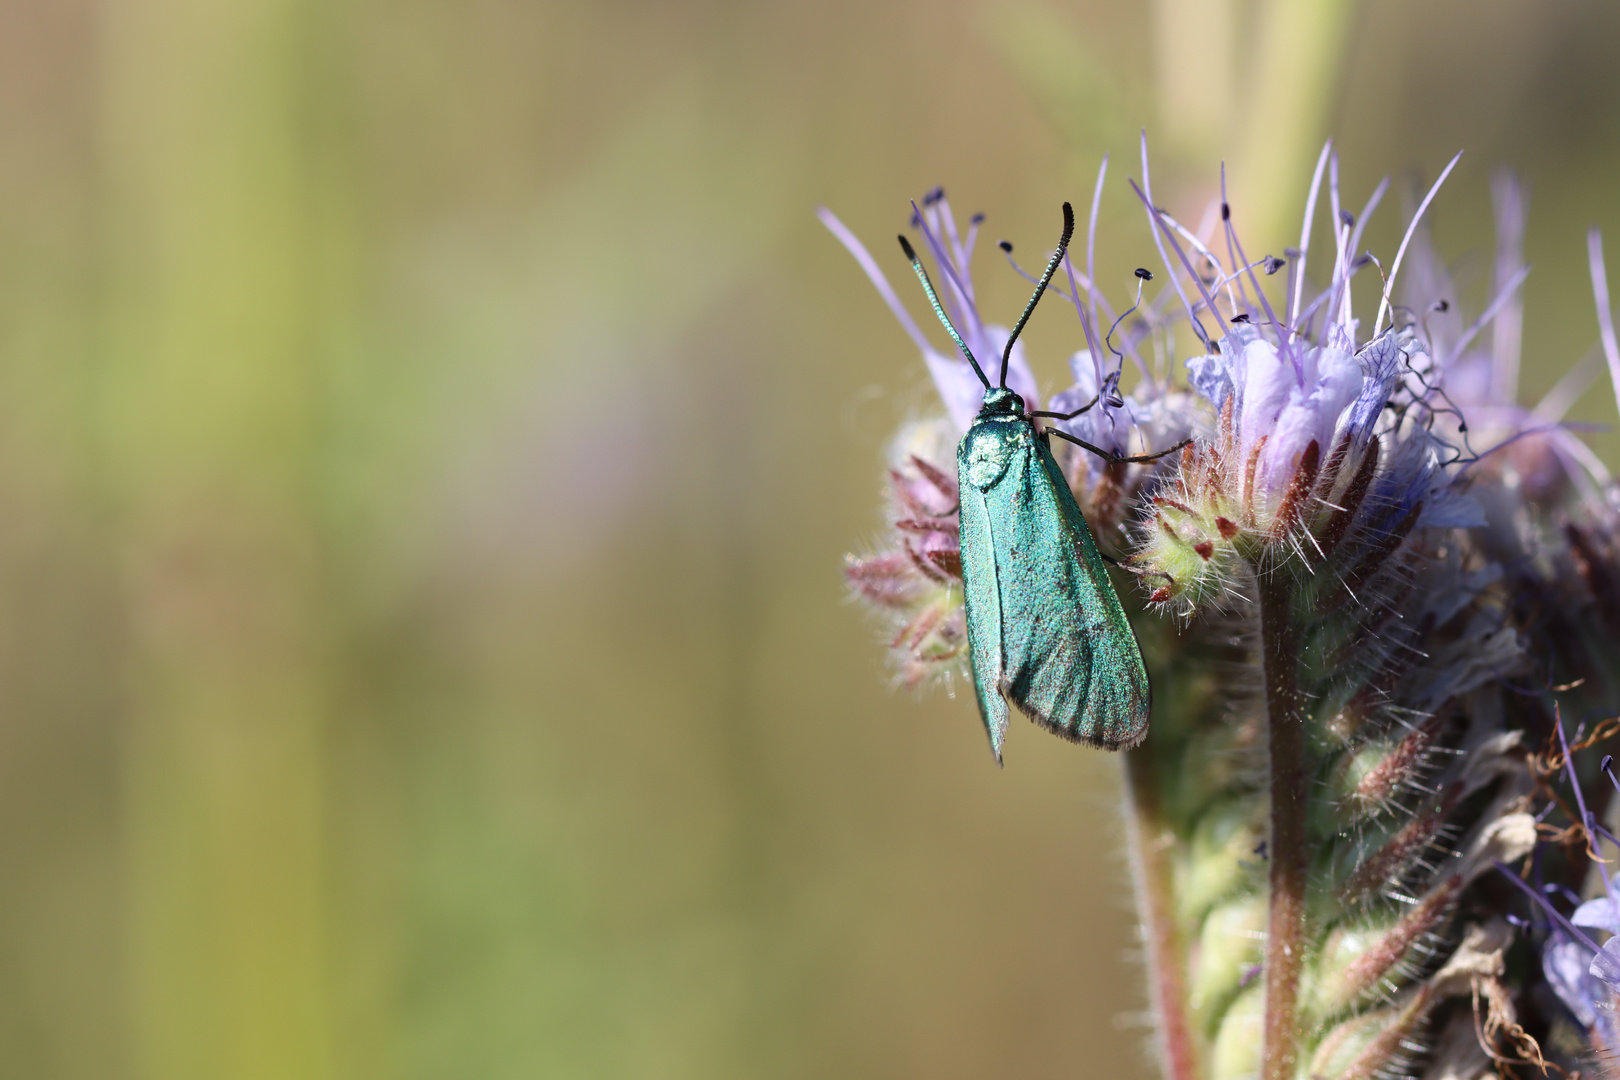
(1149, 845)
(1285, 927)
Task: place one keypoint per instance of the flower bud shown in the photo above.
(1235, 1054)
(1224, 855)
(1226, 958)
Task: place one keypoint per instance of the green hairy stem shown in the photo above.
(1333, 772)
(1285, 923)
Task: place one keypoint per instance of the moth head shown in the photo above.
(999, 401)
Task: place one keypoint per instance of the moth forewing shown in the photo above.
(985, 458)
(1118, 697)
(1046, 630)
(982, 596)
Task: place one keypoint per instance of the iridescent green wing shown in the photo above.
(982, 451)
(1112, 709)
(1045, 627)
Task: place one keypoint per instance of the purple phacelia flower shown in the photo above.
(1388, 576)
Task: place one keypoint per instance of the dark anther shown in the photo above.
(1348, 218)
(1462, 428)
(1273, 264)
(1360, 261)
(1242, 316)
(905, 246)
(1226, 212)
(916, 221)
(976, 219)
(933, 196)
(1607, 763)
(1442, 305)
(1005, 245)
(1144, 274)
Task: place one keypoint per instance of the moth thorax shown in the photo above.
(989, 448)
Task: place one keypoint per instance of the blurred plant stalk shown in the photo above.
(1255, 86)
(210, 406)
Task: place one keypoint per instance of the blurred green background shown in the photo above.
(429, 436)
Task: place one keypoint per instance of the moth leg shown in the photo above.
(1140, 459)
(1069, 415)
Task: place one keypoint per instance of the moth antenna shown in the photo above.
(1040, 287)
(933, 298)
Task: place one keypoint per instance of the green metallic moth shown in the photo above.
(1046, 630)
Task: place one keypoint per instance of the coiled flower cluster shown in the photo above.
(1374, 592)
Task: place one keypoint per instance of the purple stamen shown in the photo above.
(1236, 278)
(1222, 278)
(1163, 230)
(1509, 326)
(1568, 927)
(1586, 466)
(1305, 233)
(1328, 297)
(1545, 429)
(964, 312)
(1162, 233)
(1600, 293)
(1400, 252)
(1333, 193)
(1508, 292)
(1231, 232)
(1250, 312)
(1085, 323)
(874, 274)
(972, 237)
(1341, 230)
(1367, 211)
(1568, 390)
(1091, 246)
(1231, 249)
(1339, 290)
(943, 207)
(1580, 803)
(1563, 890)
